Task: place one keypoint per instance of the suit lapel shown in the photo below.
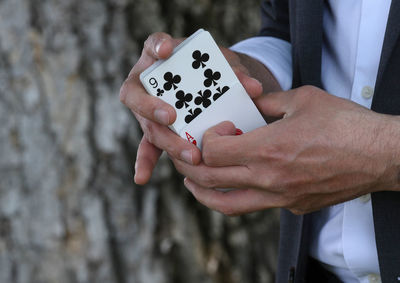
(308, 40)
(391, 36)
(386, 205)
(386, 211)
(306, 37)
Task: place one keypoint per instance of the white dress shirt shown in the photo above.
(343, 236)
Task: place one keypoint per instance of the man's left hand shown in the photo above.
(323, 151)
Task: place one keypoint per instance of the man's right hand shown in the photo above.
(154, 115)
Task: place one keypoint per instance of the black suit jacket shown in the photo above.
(300, 22)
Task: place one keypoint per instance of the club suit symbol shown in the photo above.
(160, 92)
(203, 98)
(192, 115)
(171, 81)
(183, 99)
(211, 77)
(220, 92)
(199, 59)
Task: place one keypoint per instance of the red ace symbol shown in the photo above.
(190, 138)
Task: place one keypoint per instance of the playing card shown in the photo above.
(202, 87)
(235, 106)
(181, 80)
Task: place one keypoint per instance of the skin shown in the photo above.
(154, 115)
(322, 150)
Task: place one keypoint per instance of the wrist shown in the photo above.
(388, 142)
(258, 71)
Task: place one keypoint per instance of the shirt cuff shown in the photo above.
(274, 53)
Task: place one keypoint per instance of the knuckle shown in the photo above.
(147, 45)
(148, 131)
(133, 98)
(172, 147)
(127, 96)
(271, 152)
(309, 88)
(281, 198)
(208, 156)
(144, 107)
(206, 138)
(305, 91)
(123, 92)
(262, 181)
(168, 142)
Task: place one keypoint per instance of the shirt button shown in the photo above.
(365, 198)
(367, 92)
(374, 278)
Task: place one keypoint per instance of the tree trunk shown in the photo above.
(69, 210)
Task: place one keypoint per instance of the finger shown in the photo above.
(132, 93)
(146, 159)
(225, 128)
(234, 202)
(215, 177)
(275, 104)
(157, 46)
(164, 139)
(252, 86)
(221, 146)
(160, 45)
(134, 96)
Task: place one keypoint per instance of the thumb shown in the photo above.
(221, 144)
(226, 128)
(252, 86)
(275, 104)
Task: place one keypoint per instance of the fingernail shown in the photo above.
(186, 156)
(158, 46)
(257, 81)
(187, 184)
(162, 116)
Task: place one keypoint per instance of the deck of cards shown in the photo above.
(202, 87)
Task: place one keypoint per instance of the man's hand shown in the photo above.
(154, 115)
(323, 151)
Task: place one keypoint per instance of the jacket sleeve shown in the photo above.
(275, 19)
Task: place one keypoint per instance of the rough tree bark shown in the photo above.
(69, 210)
